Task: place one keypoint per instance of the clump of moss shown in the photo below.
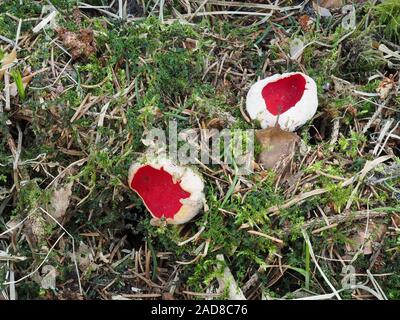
(358, 58)
(388, 16)
(30, 196)
(178, 72)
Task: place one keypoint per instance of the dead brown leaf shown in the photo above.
(60, 201)
(77, 16)
(35, 228)
(365, 237)
(329, 4)
(215, 123)
(278, 147)
(385, 87)
(167, 296)
(7, 60)
(81, 44)
(85, 258)
(305, 22)
(190, 44)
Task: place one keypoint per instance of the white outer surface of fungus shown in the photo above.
(190, 182)
(293, 118)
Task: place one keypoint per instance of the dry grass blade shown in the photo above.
(250, 5)
(227, 282)
(308, 242)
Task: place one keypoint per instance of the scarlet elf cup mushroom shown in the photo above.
(170, 192)
(289, 99)
(281, 103)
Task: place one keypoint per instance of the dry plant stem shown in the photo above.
(63, 172)
(376, 285)
(101, 9)
(73, 249)
(194, 237)
(307, 239)
(141, 295)
(7, 90)
(249, 5)
(335, 133)
(375, 115)
(11, 42)
(203, 295)
(13, 294)
(40, 265)
(388, 136)
(382, 134)
(279, 241)
(369, 165)
(16, 152)
(297, 199)
(340, 218)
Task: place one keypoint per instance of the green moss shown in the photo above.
(178, 72)
(351, 145)
(359, 59)
(20, 10)
(30, 197)
(388, 16)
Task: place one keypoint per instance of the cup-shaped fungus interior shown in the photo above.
(159, 192)
(284, 93)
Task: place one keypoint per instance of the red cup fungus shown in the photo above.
(170, 192)
(289, 99)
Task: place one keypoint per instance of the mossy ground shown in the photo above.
(193, 73)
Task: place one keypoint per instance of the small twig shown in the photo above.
(245, 13)
(200, 294)
(251, 5)
(382, 134)
(120, 9)
(334, 225)
(141, 295)
(340, 218)
(7, 90)
(73, 248)
(16, 158)
(374, 116)
(369, 165)
(82, 5)
(201, 6)
(389, 135)
(279, 241)
(297, 199)
(368, 289)
(11, 42)
(335, 133)
(18, 32)
(194, 237)
(376, 285)
(40, 265)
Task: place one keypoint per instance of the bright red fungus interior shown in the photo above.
(283, 94)
(158, 191)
